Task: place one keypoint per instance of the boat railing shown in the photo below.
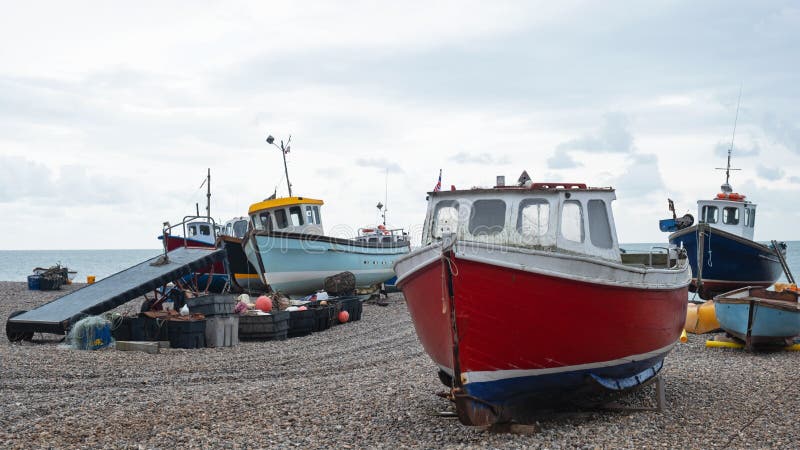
(666, 251)
(167, 228)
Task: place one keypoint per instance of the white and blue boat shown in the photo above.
(758, 316)
(288, 248)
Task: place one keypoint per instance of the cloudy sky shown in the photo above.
(111, 112)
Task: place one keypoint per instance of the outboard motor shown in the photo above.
(676, 223)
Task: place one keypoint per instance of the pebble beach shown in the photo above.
(366, 384)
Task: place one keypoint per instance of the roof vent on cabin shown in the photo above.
(726, 188)
(524, 179)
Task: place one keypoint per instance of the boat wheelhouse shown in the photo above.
(523, 299)
(289, 215)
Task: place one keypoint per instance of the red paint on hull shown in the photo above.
(511, 319)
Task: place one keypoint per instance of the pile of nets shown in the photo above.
(90, 333)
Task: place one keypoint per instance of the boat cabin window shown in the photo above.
(572, 221)
(752, 217)
(386, 239)
(296, 215)
(312, 214)
(488, 217)
(599, 229)
(265, 221)
(240, 228)
(730, 215)
(192, 230)
(445, 218)
(372, 240)
(534, 217)
(205, 230)
(281, 221)
(710, 214)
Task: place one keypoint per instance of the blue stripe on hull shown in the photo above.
(730, 260)
(539, 390)
(299, 266)
(767, 322)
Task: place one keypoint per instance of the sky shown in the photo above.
(112, 112)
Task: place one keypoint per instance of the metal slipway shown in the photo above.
(60, 314)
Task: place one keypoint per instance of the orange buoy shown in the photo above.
(264, 303)
(344, 316)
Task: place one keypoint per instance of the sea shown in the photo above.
(16, 265)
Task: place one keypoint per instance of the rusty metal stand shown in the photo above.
(661, 400)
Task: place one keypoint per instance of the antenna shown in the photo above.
(208, 195)
(284, 148)
(385, 195)
(727, 187)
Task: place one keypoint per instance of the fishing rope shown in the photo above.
(709, 249)
(454, 272)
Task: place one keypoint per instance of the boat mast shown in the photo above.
(284, 150)
(208, 194)
(727, 187)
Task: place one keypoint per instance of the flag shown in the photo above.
(438, 186)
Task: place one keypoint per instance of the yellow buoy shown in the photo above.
(90, 279)
(684, 337)
(701, 318)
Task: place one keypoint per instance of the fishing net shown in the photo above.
(90, 333)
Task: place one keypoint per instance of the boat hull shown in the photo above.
(244, 275)
(534, 329)
(770, 317)
(297, 264)
(729, 261)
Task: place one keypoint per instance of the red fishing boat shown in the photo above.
(524, 300)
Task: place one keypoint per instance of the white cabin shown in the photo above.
(729, 212)
(288, 215)
(202, 231)
(236, 227)
(544, 216)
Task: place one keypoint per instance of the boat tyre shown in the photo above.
(445, 378)
(13, 333)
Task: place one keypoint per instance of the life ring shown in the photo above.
(367, 230)
(722, 195)
(383, 229)
(736, 196)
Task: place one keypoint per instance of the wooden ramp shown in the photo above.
(58, 315)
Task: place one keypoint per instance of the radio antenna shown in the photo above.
(727, 187)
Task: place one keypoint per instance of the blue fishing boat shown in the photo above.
(293, 256)
(721, 249)
(758, 316)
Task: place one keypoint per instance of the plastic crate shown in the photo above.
(145, 328)
(324, 316)
(352, 305)
(212, 305)
(222, 331)
(187, 333)
(34, 282)
(301, 323)
(273, 326)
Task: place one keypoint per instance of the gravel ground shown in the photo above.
(361, 385)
